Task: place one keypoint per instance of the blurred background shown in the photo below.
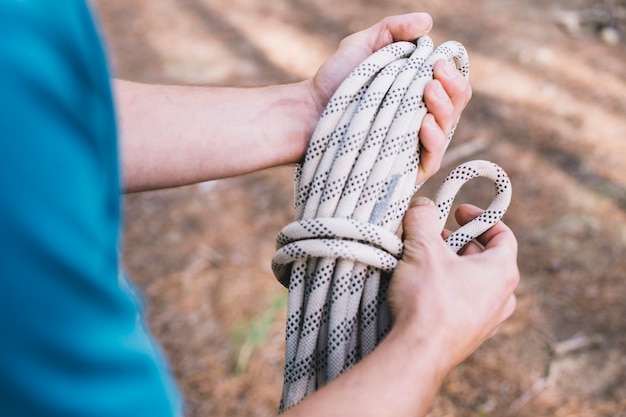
(549, 106)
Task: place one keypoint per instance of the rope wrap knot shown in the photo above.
(351, 239)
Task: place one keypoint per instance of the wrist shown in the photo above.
(427, 356)
(302, 113)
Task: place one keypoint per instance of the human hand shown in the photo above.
(445, 97)
(454, 303)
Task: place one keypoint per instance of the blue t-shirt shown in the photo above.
(72, 331)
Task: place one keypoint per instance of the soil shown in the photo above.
(549, 106)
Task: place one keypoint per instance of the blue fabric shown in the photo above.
(72, 336)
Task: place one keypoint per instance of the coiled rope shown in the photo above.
(352, 192)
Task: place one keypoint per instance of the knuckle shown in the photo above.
(467, 93)
(462, 88)
(512, 278)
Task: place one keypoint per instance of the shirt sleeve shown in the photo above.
(72, 335)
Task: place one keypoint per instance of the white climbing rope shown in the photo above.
(352, 192)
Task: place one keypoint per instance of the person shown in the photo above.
(74, 340)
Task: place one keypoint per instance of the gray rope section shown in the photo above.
(352, 192)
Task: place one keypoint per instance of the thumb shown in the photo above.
(422, 232)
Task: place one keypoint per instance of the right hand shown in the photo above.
(454, 302)
(446, 95)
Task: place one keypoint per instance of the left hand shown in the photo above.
(446, 96)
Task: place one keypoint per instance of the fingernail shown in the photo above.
(449, 70)
(421, 201)
(440, 93)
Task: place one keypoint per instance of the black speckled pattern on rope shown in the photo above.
(352, 192)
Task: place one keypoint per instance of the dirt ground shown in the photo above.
(549, 106)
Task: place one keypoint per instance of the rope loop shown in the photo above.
(352, 239)
(451, 186)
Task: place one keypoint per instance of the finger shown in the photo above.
(500, 235)
(355, 48)
(406, 27)
(446, 96)
(440, 105)
(456, 86)
(421, 234)
(433, 143)
(471, 248)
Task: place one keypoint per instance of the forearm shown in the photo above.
(176, 135)
(401, 377)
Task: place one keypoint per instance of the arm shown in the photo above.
(444, 307)
(175, 135)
